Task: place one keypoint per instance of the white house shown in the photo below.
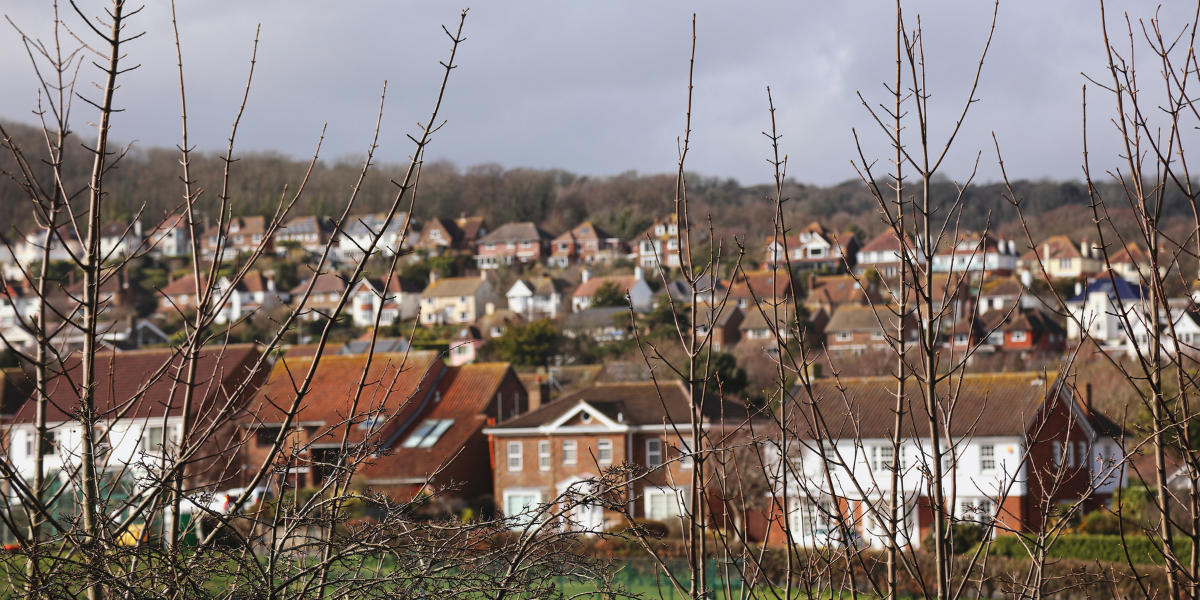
(254, 292)
(120, 239)
(1185, 324)
(395, 300)
(1013, 435)
(361, 229)
(973, 253)
(170, 238)
(535, 299)
(635, 286)
(1102, 306)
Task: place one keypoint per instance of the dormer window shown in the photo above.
(673, 229)
(660, 230)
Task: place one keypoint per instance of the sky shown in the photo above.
(600, 88)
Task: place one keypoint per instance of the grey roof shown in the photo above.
(516, 232)
(637, 403)
(593, 318)
(363, 224)
(382, 345)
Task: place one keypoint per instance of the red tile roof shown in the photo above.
(588, 288)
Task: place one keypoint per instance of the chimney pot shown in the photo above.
(587, 274)
(489, 308)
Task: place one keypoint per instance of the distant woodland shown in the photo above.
(624, 204)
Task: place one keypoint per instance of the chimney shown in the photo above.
(1012, 247)
(1078, 288)
(137, 230)
(433, 276)
(271, 284)
(587, 274)
(489, 308)
(1026, 278)
(1083, 248)
(639, 273)
(540, 394)
(1087, 395)
(483, 274)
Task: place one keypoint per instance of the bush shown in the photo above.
(963, 537)
(1100, 522)
(652, 528)
(1107, 548)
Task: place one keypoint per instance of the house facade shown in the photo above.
(813, 248)
(1102, 306)
(635, 286)
(565, 446)
(979, 256)
(240, 235)
(171, 237)
(585, 244)
(455, 300)
(1063, 258)
(884, 254)
(326, 291)
(392, 234)
(513, 243)
(659, 245)
(253, 293)
(1020, 444)
(537, 298)
(388, 301)
(859, 329)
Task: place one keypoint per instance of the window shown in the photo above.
(654, 453)
(604, 452)
(462, 349)
(663, 503)
(987, 457)
(1017, 336)
(811, 522)
(1058, 451)
(996, 338)
(660, 230)
(881, 458)
(877, 335)
(526, 244)
(978, 510)
(518, 503)
(152, 439)
(962, 338)
(514, 456)
(570, 452)
(267, 436)
(1064, 263)
(544, 456)
(685, 452)
(427, 434)
(816, 252)
(844, 336)
(672, 229)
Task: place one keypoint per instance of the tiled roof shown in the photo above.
(326, 282)
(991, 404)
(184, 285)
(634, 403)
(757, 320)
(863, 318)
(1106, 284)
(760, 286)
(470, 226)
(372, 224)
(1023, 319)
(395, 386)
(450, 287)
(884, 242)
(1007, 287)
(464, 394)
(588, 288)
(836, 290)
(116, 229)
(1054, 248)
(516, 232)
(120, 376)
(592, 318)
(584, 231)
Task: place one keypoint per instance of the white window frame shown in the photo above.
(685, 450)
(515, 459)
(570, 452)
(534, 495)
(654, 457)
(987, 458)
(666, 494)
(1017, 336)
(604, 446)
(544, 455)
(844, 336)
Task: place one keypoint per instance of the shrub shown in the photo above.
(1100, 522)
(1107, 548)
(963, 537)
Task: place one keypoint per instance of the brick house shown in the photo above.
(585, 244)
(391, 301)
(180, 295)
(241, 234)
(658, 245)
(416, 413)
(858, 329)
(1024, 330)
(455, 300)
(813, 248)
(513, 242)
(567, 443)
(722, 322)
(1012, 433)
(440, 236)
(830, 292)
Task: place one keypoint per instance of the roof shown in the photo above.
(464, 394)
(325, 283)
(593, 318)
(633, 403)
(706, 285)
(449, 287)
(705, 312)
(124, 383)
(499, 318)
(589, 288)
(986, 404)
(471, 227)
(1053, 248)
(972, 242)
(1023, 319)
(184, 285)
(884, 242)
(758, 286)
(756, 320)
(115, 229)
(1114, 286)
(372, 224)
(836, 290)
(1131, 253)
(862, 318)
(584, 231)
(516, 232)
(15, 389)
(1008, 287)
(382, 346)
(395, 386)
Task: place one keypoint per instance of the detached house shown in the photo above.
(440, 236)
(1063, 258)
(1021, 444)
(585, 244)
(513, 242)
(978, 255)
(885, 256)
(241, 234)
(541, 297)
(1102, 306)
(309, 233)
(858, 329)
(360, 230)
(813, 248)
(1023, 330)
(251, 294)
(639, 292)
(658, 245)
(456, 300)
(391, 301)
(171, 237)
(326, 292)
(565, 445)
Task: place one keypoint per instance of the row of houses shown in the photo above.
(474, 434)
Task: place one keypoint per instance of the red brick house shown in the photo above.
(585, 244)
(813, 248)
(241, 234)
(567, 443)
(513, 242)
(441, 236)
(1024, 330)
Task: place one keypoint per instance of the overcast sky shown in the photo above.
(600, 87)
